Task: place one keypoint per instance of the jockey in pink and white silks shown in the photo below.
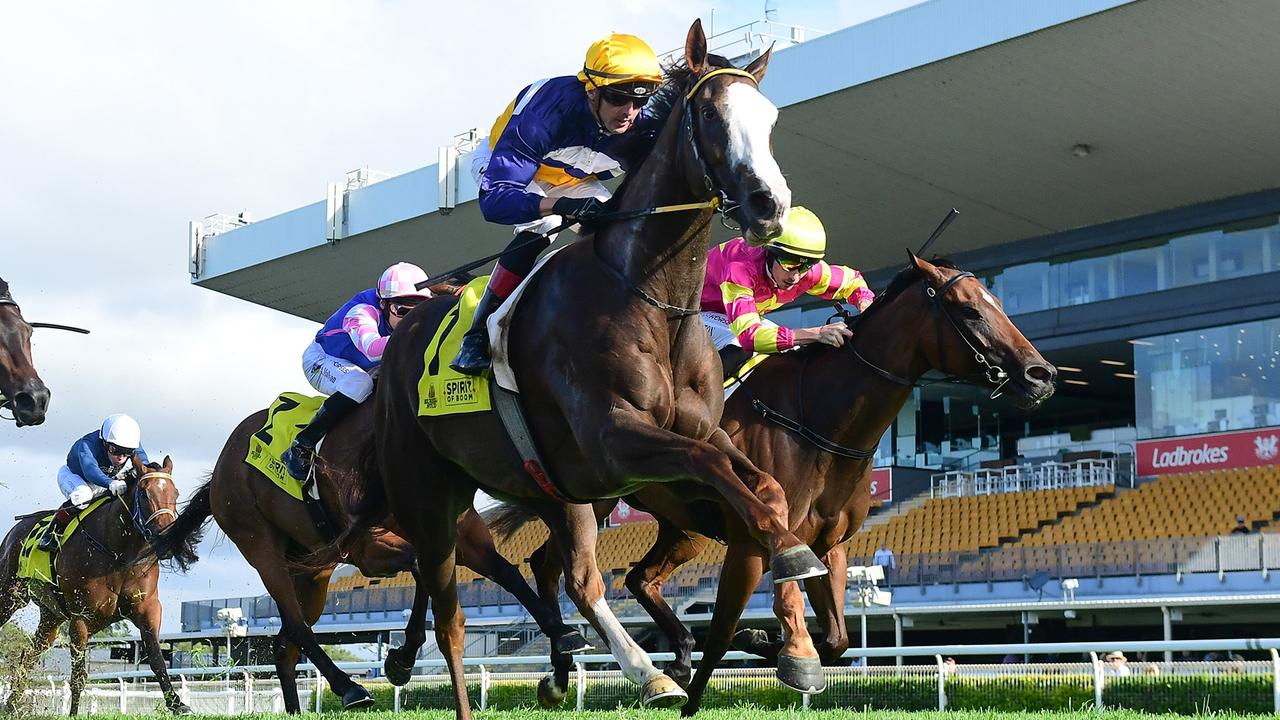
(547, 155)
(349, 345)
(744, 282)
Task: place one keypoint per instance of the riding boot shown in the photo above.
(732, 357)
(517, 262)
(297, 459)
(53, 536)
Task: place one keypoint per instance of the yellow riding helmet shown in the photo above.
(802, 235)
(616, 59)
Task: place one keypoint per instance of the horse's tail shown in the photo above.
(179, 541)
(506, 520)
(366, 502)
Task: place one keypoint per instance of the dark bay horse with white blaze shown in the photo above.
(106, 571)
(931, 318)
(618, 376)
(273, 531)
(21, 390)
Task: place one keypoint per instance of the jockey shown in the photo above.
(548, 152)
(99, 460)
(350, 344)
(743, 283)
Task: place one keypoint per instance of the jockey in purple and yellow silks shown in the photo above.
(349, 345)
(547, 154)
(744, 282)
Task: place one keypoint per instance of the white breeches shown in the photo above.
(718, 328)
(329, 374)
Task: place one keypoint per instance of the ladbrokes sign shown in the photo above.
(1220, 451)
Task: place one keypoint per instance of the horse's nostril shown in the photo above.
(1040, 374)
(762, 204)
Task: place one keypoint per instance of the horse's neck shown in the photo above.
(114, 528)
(666, 253)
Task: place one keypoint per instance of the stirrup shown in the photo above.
(298, 461)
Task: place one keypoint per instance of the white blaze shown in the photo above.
(750, 117)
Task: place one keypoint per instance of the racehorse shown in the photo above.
(106, 571)
(277, 534)
(21, 389)
(618, 376)
(813, 419)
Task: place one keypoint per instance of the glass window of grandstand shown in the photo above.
(1249, 247)
(1210, 380)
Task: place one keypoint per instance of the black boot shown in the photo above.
(732, 357)
(53, 536)
(297, 459)
(473, 356)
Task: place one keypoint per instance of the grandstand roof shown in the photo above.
(887, 124)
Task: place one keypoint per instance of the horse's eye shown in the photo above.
(971, 313)
(708, 112)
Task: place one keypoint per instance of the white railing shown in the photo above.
(1022, 478)
(744, 42)
(238, 692)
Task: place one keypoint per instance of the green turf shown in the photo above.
(744, 713)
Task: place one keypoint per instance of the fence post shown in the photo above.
(1275, 680)
(804, 701)
(395, 701)
(582, 686)
(1097, 681)
(1262, 554)
(248, 691)
(484, 687)
(1217, 558)
(184, 693)
(942, 683)
(124, 697)
(319, 690)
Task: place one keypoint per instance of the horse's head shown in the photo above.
(21, 389)
(731, 122)
(155, 496)
(961, 329)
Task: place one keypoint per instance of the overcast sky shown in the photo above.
(122, 121)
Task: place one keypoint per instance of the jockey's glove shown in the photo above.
(81, 496)
(581, 209)
(117, 487)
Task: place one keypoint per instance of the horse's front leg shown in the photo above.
(630, 446)
(575, 529)
(826, 594)
(671, 549)
(146, 617)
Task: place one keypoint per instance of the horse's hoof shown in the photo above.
(802, 673)
(549, 695)
(572, 642)
(356, 697)
(661, 691)
(796, 563)
(397, 670)
(751, 640)
(180, 709)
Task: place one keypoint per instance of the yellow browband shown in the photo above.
(714, 73)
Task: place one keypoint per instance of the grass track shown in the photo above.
(744, 713)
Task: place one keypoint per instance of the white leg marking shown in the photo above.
(750, 117)
(633, 660)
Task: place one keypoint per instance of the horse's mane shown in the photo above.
(905, 278)
(4, 288)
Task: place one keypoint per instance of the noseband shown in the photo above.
(135, 512)
(991, 372)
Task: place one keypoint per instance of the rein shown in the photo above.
(135, 514)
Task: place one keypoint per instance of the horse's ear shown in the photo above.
(695, 48)
(760, 64)
(167, 465)
(913, 261)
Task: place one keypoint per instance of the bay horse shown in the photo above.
(930, 318)
(21, 389)
(619, 379)
(106, 571)
(277, 536)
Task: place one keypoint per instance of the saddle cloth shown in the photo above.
(37, 564)
(742, 373)
(285, 419)
(441, 389)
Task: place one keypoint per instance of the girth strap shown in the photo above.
(507, 405)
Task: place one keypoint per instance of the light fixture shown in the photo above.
(1129, 376)
(1116, 363)
(1140, 342)
(1076, 382)
(1081, 150)
(1068, 368)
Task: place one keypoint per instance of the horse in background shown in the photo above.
(21, 389)
(106, 571)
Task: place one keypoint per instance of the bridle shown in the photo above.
(992, 373)
(135, 514)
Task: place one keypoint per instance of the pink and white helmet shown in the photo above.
(401, 280)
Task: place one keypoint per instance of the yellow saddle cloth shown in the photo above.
(441, 389)
(285, 419)
(37, 564)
